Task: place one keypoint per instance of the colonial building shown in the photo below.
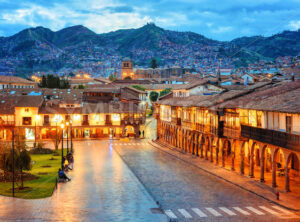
(14, 82)
(91, 113)
(254, 130)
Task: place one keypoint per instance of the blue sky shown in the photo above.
(217, 19)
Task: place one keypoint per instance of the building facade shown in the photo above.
(255, 132)
(14, 82)
(90, 113)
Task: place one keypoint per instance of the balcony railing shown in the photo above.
(132, 121)
(187, 124)
(178, 122)
(156, 115)
(7, 123)
(277, 138)
(108, 123)
(85, 123)
(233, 133)
(46, 124)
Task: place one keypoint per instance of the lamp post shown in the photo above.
(67, 123)
(71, 137)
(13, 161)
(62, 146)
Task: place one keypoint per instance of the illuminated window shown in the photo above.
(26, 121)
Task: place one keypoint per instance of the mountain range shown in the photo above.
(42, 49)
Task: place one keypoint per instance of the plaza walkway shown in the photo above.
(102, 189)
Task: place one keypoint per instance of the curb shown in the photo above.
(207, 171)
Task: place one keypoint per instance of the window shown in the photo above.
(26, 121)
(67, 118)
(288, 124)
(46, 119)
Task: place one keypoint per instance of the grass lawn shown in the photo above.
(44, 185)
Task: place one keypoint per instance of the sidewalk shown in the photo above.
(286, 200)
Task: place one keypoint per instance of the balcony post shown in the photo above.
(287, 179)
(251, 166)
(262, 168)
(232, 161)
(274, 174)
(193, 144)
(242, 165)
(223, 157)
(211, 153)
(217, 153)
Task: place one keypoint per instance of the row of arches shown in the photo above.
(275, 166)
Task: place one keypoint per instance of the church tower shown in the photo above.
(127, 69)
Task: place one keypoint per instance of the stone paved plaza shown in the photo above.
(102, 189)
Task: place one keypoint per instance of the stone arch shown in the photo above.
(254, 157)
(207, 147)
(292, 170)
(226, 152)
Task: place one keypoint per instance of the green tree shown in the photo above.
(55, 136)
(112, 77)
(24, 164)
(165, 92)
(138, 87)
(153, 96)
(128, 77)
(153, 63)
(80, 86)
(43, 82)
(71, 74)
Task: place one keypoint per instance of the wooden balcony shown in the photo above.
(156, 115)
(7, 123)
(133, 121)
(232, 133)
(108, 123)
(178, 122)
(85, 123)
(95, 99)
(187, 124)
(200, 127)
(277, 138)
(46, 124)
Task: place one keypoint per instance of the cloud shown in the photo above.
(221, 29)
(294, 25)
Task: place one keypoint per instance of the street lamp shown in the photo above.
(62, 146)
(67, 123)
(71, 136)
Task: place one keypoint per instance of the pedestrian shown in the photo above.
(62, 175)
(139, 133)
(143, 133)
(71, 162)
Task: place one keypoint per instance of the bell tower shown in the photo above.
(127, 69)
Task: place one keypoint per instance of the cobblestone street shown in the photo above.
(188, 193)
